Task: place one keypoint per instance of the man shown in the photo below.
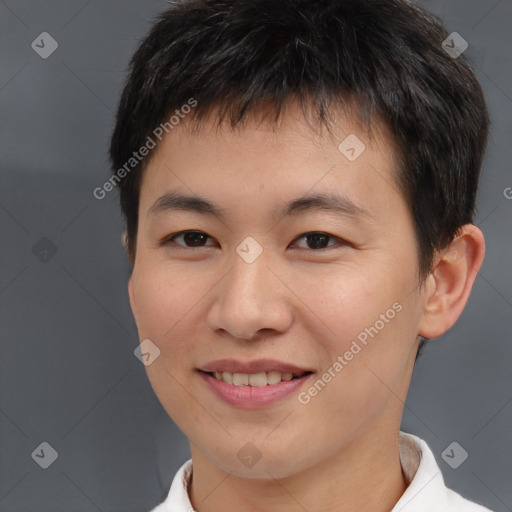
(298, 180)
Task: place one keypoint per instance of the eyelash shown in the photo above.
(169, 239)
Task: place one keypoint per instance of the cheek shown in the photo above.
(171, 311)
(370, 332)
(163, 297)
(344, 302)
(164, 302)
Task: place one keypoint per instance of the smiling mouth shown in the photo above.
(259, 379)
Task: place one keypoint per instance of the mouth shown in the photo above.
(259, 379)
(251, 391)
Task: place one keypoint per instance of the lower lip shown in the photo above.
(252, 397)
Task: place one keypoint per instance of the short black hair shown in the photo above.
(386, 55)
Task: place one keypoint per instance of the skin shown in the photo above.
(293, 303)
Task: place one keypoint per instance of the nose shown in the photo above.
(250, 302)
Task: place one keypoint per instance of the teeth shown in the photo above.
(240, 379)
(254, 379)
(257, 379)
(273, 377)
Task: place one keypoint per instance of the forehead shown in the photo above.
(286, 158)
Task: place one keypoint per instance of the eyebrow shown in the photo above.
(335, 202)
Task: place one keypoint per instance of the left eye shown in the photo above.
(319, 240)
(315, 240)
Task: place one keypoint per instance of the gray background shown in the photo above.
(68, 375)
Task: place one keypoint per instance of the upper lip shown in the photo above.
(255, 366)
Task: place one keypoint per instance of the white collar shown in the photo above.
(426, 491)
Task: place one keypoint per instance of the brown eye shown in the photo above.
(190, 239)
(319, 240)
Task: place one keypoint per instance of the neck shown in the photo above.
(365, 476)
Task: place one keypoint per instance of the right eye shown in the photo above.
(191, 239)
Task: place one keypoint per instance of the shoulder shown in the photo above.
(178, 500)
(427, 491)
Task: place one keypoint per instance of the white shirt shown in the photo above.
(426, 491)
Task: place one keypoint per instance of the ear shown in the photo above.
(448, 286)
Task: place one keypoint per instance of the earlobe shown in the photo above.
(449, 284)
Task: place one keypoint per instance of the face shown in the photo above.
(328, 287)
